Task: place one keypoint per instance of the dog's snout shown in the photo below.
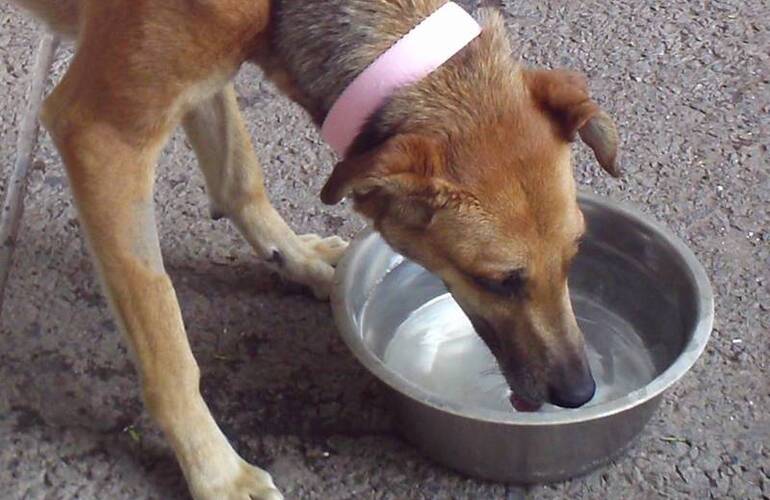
(573, 386)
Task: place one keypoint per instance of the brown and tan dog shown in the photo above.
(467, 172)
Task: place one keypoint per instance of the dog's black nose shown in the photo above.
(574, 391)
(574, 396)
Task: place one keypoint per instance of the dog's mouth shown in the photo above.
(523, 404)
(521, 399)
(519, 402)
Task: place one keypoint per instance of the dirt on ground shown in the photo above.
(688, 84)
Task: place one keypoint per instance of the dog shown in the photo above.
(466, 170)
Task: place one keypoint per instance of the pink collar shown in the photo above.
(429, 45)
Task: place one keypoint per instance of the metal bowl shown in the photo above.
(629, 267)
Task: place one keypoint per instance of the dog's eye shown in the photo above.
(512, 285)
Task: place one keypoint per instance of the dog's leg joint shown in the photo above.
(276, 258)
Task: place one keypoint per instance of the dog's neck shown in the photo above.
(425, 48)
(318, 47)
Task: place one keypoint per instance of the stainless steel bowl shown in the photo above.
(630, 265)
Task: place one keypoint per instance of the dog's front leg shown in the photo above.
(236, 188)
(111, 166)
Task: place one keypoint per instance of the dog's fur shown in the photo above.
(467, 172)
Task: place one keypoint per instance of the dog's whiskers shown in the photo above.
(492, 370)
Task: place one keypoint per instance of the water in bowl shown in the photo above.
(436, 348)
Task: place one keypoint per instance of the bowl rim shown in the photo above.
(691, 351)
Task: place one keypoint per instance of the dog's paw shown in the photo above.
(318, 276)
(315, 268)
(329, 250)
(308, 260)
(249, 483)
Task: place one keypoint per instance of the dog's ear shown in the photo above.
(360, 174)
(397, 178)
(564, 95)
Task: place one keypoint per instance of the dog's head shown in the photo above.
(492, 210)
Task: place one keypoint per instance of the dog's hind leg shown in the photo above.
(236, 187)
(109, 118)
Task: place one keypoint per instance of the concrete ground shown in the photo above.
(688, 84)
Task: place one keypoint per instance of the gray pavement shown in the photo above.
(688, 83)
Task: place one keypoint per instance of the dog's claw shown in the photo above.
(251, 483)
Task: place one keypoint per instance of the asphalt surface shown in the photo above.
(688, 84)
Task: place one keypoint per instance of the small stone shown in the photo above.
(686, 473)
(722, 486)
(709, 463)
(680, 449)
(316, 453)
